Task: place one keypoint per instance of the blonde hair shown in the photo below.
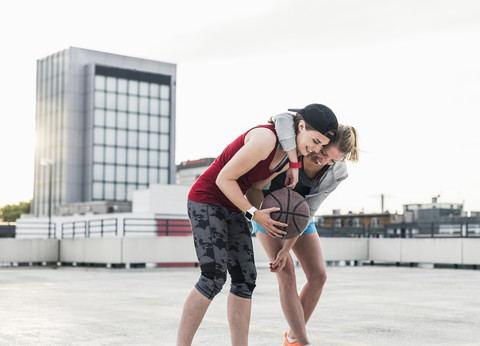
(346, 141)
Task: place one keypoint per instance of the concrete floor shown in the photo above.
(360, 306)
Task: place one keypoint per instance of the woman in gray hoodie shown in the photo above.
(319, 176)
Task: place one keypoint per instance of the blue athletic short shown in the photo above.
(310, 228)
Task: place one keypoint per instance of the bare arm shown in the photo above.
(259, 143)
(284, 126)
(282, 255)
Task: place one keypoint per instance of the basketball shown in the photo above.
(294, 210)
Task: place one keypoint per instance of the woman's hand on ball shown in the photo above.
(262, 217)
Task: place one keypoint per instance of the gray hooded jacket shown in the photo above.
(335, 174)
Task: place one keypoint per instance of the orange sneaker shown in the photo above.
(288, 343)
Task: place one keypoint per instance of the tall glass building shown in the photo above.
(105, 126)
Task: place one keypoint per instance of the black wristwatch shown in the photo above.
(250, 212)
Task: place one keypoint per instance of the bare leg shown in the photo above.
(194, 309)
(239, 311)
(289, 299)
(308, 251)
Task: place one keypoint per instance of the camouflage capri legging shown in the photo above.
(223, 242)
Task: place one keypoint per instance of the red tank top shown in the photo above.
(205, 190)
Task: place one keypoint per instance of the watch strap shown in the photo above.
(250, 212)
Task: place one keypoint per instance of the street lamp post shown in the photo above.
(49, 163)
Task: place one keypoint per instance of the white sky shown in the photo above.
(405, 73)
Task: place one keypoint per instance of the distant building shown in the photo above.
(431, 212)
(189, 171)
(105, 127)
(337, 220)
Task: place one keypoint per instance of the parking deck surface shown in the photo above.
(361, 305)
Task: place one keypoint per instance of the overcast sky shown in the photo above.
(405, 73)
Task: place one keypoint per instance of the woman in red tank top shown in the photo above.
(217, 208)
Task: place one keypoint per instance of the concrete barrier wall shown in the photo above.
(385, 250)
(159, 250)
(181, 250)
(91, 250)
(471, 251)
(28, 250)
(345, 249)
(432, 250)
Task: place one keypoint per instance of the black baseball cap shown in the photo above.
(320, 117)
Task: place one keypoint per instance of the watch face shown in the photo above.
(248, 216)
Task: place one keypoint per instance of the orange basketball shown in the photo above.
(294, 210)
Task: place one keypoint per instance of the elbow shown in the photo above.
(221, 181)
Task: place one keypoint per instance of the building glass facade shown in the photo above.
(106, 126)
(131, 132)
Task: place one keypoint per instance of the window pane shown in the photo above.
(99, 99)
(142, 175)
(122, 102)
(110, 137)
(163, 176)
(132, 103)
(109, 191)
(109, 155)
(143, 105)
(152, 175)
(143, 88)
(110, 119)
(143, 140)
(111, 101)
(97, 191)
(143, 122)
(122, 138)
(143, 158)
(97, 172)
(122, 86)
(120, 192)
(110, 173)
(132, 174)
(154, 90)
(133, 87)
(154, 106)
(122, 120)
(154, 124)
(99, 82)
(121, 156)
(132, 157)
(132, 121)
(165, 125)
(111, 84)
(164, 108)
(164, 91)
(121, 174)
(132, 138)
(97, 153)
(164, 142)
(98, 135)
(153, 141)
(130, 189)
(99, 117)
(163, 159)
(153, 159)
